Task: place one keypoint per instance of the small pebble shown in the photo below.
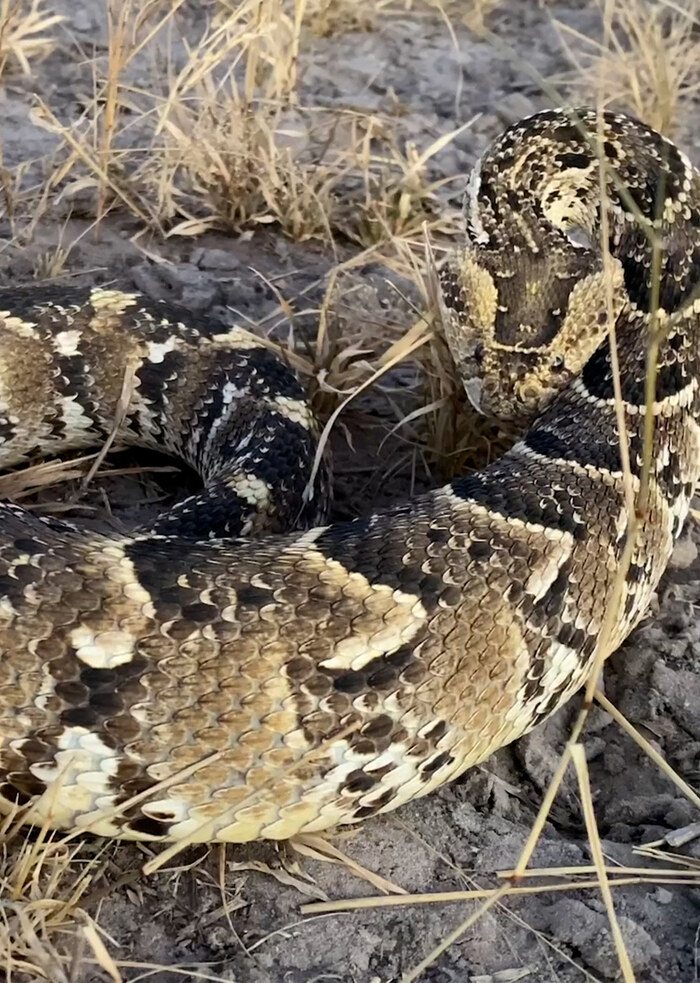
(513, 107)
(214, 259)
(678, 837)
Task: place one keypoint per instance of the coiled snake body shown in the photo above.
(186, 682)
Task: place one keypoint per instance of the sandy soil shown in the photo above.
(459, 836)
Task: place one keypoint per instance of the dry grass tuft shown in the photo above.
(398, 198)
(648, 60)
(330, 17)
(44, 932)
(26, 34)
(472, 14)
(230, 133)
(48, 886)
(227, 142)
(326, 18)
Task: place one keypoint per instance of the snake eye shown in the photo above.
(557, 362)
(579, 237)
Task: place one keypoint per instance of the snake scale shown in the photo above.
(239, 670)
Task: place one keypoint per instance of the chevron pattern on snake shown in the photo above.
(238, 671)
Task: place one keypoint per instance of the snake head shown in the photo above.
(522, 323)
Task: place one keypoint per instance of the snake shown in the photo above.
(240, 668)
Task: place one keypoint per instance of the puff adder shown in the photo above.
(238, 670)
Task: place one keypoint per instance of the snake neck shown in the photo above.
(583, 424)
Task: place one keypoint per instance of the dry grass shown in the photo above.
(332, 17)
(45, 931)
(226, 140)
(327, 18)
(472, 14)
(229, 131)
(27, 34)
(648, 60)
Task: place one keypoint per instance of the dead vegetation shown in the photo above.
(646, 59)
(229, 142)
(27, 34)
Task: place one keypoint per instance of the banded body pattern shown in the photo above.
(185, 681)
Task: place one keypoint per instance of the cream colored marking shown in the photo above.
(230, 613)
(251, 489)
(621, 523)
(229, 392)
(404, 616)
(157, 350)
(476, 231)
(562, 206)
(554, 535)
(243, 830)
(257, 580)
(78, 783)
(404, 779)
(663, 458)
(141, 408)
(115, 551)
(679, 507)
(102, 649)
(547, 570)
(167, 810)
(114, 301)
(237, 337)
(18, 560)
(563, 666)
(588, 470)
(6, 608)
(23, 329)
(295, 410)
(47, 689)
(309, 537)
(121, 571)
(322, 805)
(74, 416)
(67, 343)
